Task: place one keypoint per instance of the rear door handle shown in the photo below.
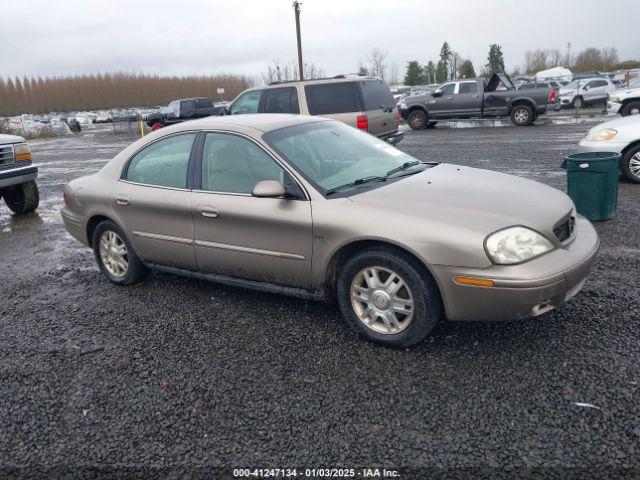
(122, 201)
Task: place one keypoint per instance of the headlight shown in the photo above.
(22, 152)
(516, 245)
(615, 99)
(604, 134)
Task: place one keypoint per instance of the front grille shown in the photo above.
(6, 156)
(564, 230)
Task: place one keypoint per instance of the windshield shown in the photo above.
(331, 155)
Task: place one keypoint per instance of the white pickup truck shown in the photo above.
(18, 176)
(625, 101)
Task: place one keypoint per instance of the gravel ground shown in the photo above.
(176, 376)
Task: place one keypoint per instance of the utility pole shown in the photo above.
(296, 9)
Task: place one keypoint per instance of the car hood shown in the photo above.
(472, 199)
(4, 139)
(567, 91)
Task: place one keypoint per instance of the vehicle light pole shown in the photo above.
(296, 9)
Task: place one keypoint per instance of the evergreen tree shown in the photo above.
(466, 69)
(496, 59)
(442, 70)
(414, 75)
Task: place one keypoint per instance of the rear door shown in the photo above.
(379, 107)
(152, 201)
(339, 101)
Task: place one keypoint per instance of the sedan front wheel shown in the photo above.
(386, 297)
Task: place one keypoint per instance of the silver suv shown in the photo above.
(362, 102)
(17, 175)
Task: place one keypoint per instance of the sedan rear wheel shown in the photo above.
(387, 297)
(115, 257)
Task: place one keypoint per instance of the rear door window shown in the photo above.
(280, 100)
(468, 87)
(376, 95)
(332, 98)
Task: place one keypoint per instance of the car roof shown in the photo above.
(265, 122)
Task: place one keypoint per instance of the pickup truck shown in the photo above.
(478, 98)
(625, 101)
(183, 110)
(18, 185)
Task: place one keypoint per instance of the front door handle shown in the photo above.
(208, 211)
(122, 201)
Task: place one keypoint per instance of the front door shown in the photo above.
(442, 106)
(152, 201)
(467, 101)
(238, 235)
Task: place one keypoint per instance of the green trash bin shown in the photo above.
(592, 183)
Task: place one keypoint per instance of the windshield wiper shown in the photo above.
(359, 181)
(402, 167)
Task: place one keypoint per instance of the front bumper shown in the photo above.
(524, 290)
(600, 146)
(613, 107)
(16, 176)
(567, 100)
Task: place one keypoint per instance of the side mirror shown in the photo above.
(268, 189)
(437, 93)
(224, 111)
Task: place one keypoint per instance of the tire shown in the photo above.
(522, 115)
(417, 120)
(23, 198)
(135, 270)
(578, 102)
(397, 270)
(631, 108)
(631, 164)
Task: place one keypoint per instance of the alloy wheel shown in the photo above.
(634, 165)
(521, 115)
(382, 300)
(113, 253)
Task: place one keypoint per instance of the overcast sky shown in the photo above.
(65, 37)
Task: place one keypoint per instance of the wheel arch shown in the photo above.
(340, 256)
(522, 101)
(413, 108)
(631, 145)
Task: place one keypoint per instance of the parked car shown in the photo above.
(529, 85)
(625, 101)
(478, 98)
(18, 176)
(622, 136)
(182, 110)
(314, 208)
(580, 93)
(362, 102)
